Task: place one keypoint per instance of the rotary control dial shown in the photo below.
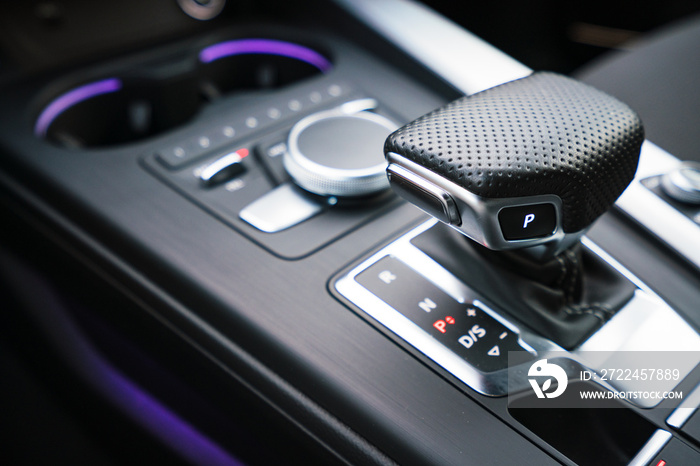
(338, 152)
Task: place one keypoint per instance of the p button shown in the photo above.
(528, 221)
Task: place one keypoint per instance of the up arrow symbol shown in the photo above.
(494, 351)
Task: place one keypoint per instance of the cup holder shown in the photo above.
(114, 111)
(256, 64)
(132, 107)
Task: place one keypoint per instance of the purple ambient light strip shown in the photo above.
(70, 98)
(50, 309)
(264, 46)
(159, 420)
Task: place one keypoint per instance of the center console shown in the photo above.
(231, 184)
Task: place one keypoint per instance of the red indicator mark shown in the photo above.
(661, 463)
(242, 153)
(441, 325)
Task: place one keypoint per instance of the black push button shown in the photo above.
(527, 222)
(271, 153)
(176, 156)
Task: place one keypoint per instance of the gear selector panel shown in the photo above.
(444, 319)
(451, 321)
(463, 327)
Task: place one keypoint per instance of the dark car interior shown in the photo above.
(349, 232)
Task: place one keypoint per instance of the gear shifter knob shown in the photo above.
(531, 162)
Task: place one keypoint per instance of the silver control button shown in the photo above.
(223, 169)
(424, 194)
(280, 209)
(683, 183)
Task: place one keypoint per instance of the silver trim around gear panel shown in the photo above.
(646, 323)
(653, 447)
(686, 409)
(492, 384)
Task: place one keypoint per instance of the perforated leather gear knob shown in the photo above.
(545, 140)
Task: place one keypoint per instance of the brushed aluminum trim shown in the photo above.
(655, 214)
(462, 59)
(654, 445)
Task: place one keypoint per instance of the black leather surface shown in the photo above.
(544, 134)
(565, 299)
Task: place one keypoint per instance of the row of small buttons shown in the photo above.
(181, 154)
